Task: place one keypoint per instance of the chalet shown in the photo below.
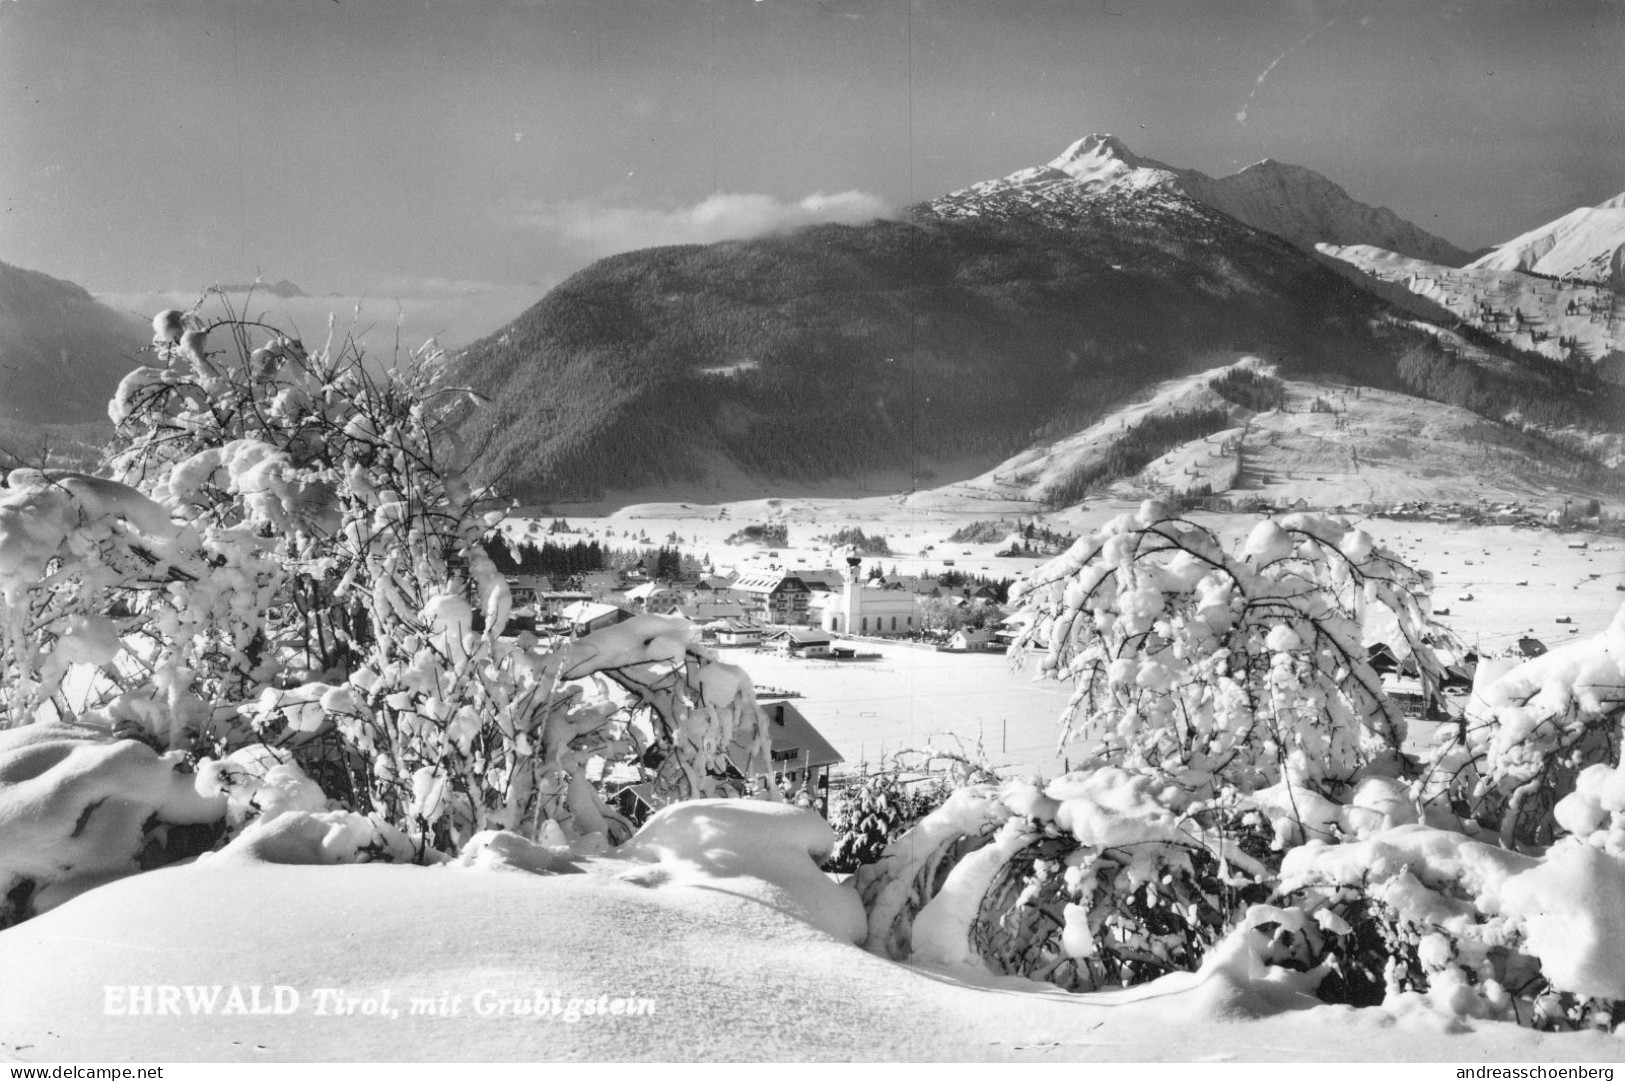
(551, 603)
(1013, 626)
(735, 632)
(801, 756)
(1383, 659)
(654, 597)
(969, 639)
(1412, 698)
(585, 617)
(771, 596)
(801, 641)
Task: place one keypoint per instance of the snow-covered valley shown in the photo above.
(716, 941)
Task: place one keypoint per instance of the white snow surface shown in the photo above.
(509, 965)
(1586, 243)
(1499, 296)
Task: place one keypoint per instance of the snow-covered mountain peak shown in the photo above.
(1272, 167)
(1291, 201)
(1093, 153)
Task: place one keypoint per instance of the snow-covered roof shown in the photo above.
(790, 733)
(587, 611)
(768, 582)
(803, 636)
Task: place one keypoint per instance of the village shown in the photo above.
(863, 667)
(800, 612)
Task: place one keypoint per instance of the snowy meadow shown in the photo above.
(273, 786)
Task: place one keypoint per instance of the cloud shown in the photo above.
(410, 310)
(724, 216)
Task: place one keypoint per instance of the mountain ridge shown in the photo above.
(62, 353)
(1290, 201)
(1586, 244)
(900, 346)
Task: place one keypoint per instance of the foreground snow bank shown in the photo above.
(389, 962)
(77, 809)
(769, 851)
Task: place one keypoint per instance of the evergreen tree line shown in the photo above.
(855, 537)
(1251, 390)
(666, 563)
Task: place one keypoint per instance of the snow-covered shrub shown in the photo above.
(1419, 916)
(284, 556)
(1534, 755)
(1101, 878)
(869, 815)
(1217, 670)
(1409, 910)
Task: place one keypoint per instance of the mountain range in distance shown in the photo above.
(983, 325)
(1005, 316)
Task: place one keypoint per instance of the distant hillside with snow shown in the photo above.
(1327, 443)
(1586, 245)
(1571, 320)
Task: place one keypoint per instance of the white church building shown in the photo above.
(860, 608)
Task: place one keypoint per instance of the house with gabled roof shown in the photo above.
(656, 597)
(799, 758)
(585, 617)
(735, 632)
(801, 641)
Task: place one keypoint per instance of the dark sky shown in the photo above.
(357, 145)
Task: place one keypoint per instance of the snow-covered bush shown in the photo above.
(283, 576)
(868, 815)
(1217, 670)
(1419, 916)
(1101, 878)
(1533, 756)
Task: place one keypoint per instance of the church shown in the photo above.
(860, 608)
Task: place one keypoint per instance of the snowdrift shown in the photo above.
(240, 959)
